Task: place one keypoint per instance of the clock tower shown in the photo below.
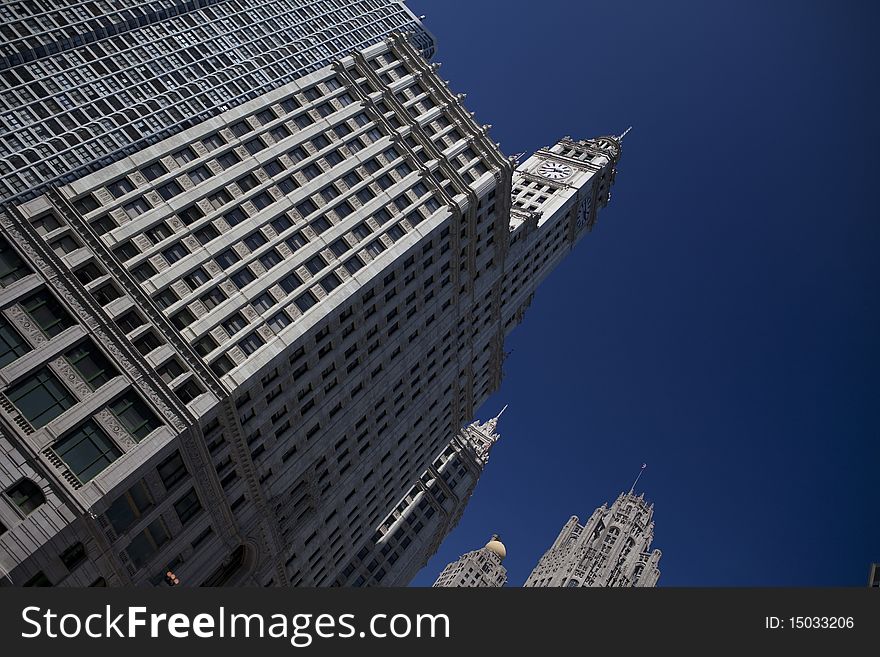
(556, 196)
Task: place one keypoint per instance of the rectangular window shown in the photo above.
(87, 451)
(47, 313)
(135, 415)
(172, 471)
(41, 397)
(12, 267)
(11, 344)
(145, 545)
(91, 364)
(187, 507)
(129, 507)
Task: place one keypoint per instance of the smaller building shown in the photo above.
(874, 576)
(478, 569)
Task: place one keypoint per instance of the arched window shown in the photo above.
(572, 583)
(25, 495)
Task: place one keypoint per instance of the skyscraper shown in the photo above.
(478, 569)
(613, 548)
(231, 352)
(85, 84)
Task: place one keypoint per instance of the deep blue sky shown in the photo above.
(721, 322)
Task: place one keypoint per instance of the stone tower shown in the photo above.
(478, 569)
(613, 548)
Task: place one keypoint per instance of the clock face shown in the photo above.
(554, 170)
(583, 213)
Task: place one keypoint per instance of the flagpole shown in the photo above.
(632, 488)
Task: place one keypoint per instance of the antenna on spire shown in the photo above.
(624, 133)
(632, 488)
(500, 412)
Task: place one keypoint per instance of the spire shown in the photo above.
(489, 427)
(644, 465)
(623, 134)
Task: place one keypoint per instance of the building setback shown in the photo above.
(478, 569)
(613, 548)
(232, 352)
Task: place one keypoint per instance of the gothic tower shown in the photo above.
(613, 548)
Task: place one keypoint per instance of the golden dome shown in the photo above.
(496, 547)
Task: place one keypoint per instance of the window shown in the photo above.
(312, 171)
(40, 397)
(145, 545)
(11, 343)
(12, 267)
(166, 298)
(339, 247)
(306, 301)
(170, 370)
(191, 214)
(135, 415)
(235, 323)
(320, 224)
(188, 506)
(270, 259)
(91, 364)
(129, 507)
(281, 223)
(315, 264)
(182, 319)
(134, 209)
(175, 252)
(228, 159)
(227, 258)
(172, 471)
(234, 217)
(25, 495)
(183, 156)
(303, 120)
(330, 282)
(64, 245)
(213, 142)
(169, 190)
(251, 343)
(106, 293)
(196, 278)
(243, 277)
(213, 298)
(154, 170)
(158, 232)
(47, 313)
(87, 451)
(206, 345)
(290, 282)
(103, 224)
(353, 264)
(254, 145)
(206, 233)
(130, 321)
(296, 241)
(200, 174)
(219, 199)
(247, 183)
(222, 365)
(147, 343)
(143, 272)
(361, 231)
(73, 556)
(120, 187)
(86, 204)
(278, 321)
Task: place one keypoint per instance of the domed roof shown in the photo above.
(496, 547)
